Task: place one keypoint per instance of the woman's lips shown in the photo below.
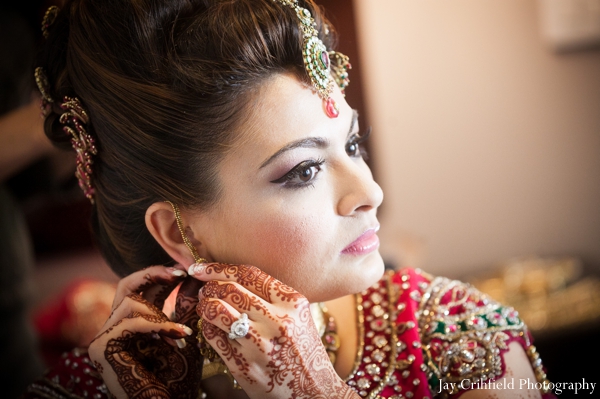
(367, 242)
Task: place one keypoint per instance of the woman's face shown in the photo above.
(296, 196)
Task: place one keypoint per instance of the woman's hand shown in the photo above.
(282, 355)
(139, 352)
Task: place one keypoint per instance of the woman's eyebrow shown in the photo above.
(309, 142)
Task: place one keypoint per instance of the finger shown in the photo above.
(134, 303)
(145, 279)
(229, 351)
(218, 313)
(237, 296)
(134, 306)
(136, 323)
(158, 293)
(250, 277)
(182, 331)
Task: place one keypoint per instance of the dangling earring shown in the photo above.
(184, 236)
(213, 365)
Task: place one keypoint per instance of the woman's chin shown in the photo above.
(365, 272)
(371, 270)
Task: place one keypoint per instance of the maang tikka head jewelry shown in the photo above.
(317, 60)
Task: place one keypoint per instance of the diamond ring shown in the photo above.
(240, 327)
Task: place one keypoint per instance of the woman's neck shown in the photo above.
(345, 314)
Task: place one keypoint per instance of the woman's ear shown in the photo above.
(162, 224)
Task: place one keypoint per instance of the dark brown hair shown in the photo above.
(166, 84)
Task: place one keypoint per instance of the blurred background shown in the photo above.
(486, 141)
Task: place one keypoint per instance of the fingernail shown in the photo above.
(178, 273)
(180, 343)
(195, 269)
(186, 329)
(155, 336)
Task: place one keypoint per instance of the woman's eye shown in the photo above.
(302, 174)
(307, 174)
(353, 146)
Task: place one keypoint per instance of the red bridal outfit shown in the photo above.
(420, 337)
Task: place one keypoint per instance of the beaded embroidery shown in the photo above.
(389, 346)
(461, 335)
(74, 377)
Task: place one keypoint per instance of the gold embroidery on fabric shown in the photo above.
(462, 332)
(378, 365)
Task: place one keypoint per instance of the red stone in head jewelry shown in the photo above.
(73, 120)
(317, 60)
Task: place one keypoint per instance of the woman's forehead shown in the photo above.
(285, 110)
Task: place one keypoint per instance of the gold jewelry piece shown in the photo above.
(48, 20)
(186, 240)
(316, 59)
(73, 119)
(329, 336)
(340, 64)
(43, 84)
(206, 350)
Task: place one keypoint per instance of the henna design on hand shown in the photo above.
(98, 366)
(232, 294)
(228, 352)
(135, 361)
(294, 357)
(148, 368)
(167, 285)
(308, 374)
(211, 310)
(253, 278)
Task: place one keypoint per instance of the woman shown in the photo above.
(215, 134)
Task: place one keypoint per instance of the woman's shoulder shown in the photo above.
(463, 333)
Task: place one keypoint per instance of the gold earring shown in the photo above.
(186, 240)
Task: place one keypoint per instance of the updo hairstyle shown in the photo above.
(166, 84)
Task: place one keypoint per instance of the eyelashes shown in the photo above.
(354, 147)
(304, 174)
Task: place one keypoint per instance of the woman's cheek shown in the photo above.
(286, 247)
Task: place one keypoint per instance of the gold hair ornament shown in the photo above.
(74, 118)
(186, 240)
(43, 85)
(317, 60)
(49, 18)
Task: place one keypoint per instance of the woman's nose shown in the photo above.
(358, 191)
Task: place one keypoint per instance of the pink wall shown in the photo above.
(486, 141)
